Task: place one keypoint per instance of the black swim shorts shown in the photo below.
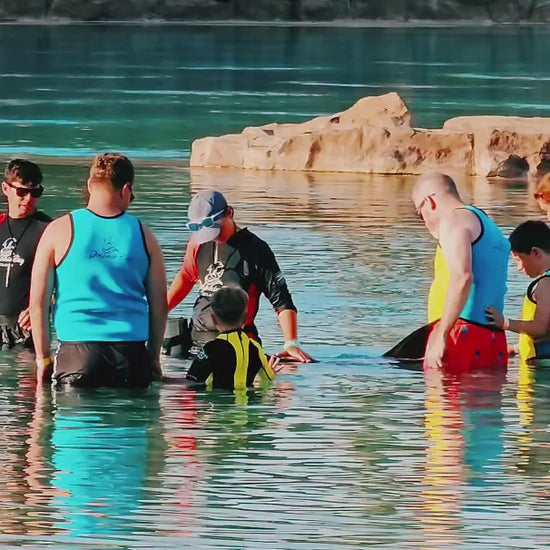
(103, 364)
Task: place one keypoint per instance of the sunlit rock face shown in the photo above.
(507, 146)
(313, 10)
(375, 136)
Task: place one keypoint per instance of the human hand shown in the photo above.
(436, 348)
(294, 352)
(157, 370)
(494, 317)
(24, 319)
(275, 363)
(44, 370)
(512, 350)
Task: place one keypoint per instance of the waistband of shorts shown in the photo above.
(480, 325)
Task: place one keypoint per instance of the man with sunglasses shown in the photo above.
(220, 253)
(20, 230)
(471, 269)
(107, 272)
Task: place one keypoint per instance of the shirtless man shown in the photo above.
(471, 268)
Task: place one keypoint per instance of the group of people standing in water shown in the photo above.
(101, 273)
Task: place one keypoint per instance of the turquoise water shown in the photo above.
(351, 452)
(150, 90)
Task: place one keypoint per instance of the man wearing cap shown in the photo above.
(220, 253)
(20, 230)
(110, 288)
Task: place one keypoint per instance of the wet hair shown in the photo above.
(529, 235)
(114, 168)
(23, 170)
(229, 303)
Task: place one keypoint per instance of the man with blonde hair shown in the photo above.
(471, 268)
(107, 273)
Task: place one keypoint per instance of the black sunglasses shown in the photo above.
(34, 192)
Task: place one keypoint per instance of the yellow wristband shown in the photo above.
(44, 361)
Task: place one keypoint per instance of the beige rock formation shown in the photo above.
(506, 146)
(375, 136)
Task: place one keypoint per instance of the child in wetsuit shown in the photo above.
(232, 360)
(530, 244)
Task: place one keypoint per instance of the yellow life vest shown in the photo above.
(527, 350)
(438, 290)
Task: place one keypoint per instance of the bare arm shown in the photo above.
(155, 288)
(456, 245)
(288, 321)
(40, 299)
(456, 236)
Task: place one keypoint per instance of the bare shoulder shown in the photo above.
(149, 236)
(59, 227)
(462, 222)
(542, 291)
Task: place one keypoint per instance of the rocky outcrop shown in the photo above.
(400, 10)
(507, 146)
(375, 136)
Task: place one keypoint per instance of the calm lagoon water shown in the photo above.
(348, 453)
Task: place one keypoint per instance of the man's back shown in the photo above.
(106, 301)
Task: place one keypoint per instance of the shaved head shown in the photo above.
(434, 197)
(436, 183)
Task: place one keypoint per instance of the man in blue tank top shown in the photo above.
(471, 269)
(107, 273)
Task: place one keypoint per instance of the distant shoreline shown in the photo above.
(336, 23)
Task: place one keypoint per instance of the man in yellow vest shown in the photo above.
(471, 269)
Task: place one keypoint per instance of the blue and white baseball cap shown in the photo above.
(205, 211)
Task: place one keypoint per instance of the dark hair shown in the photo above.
(113, 167)
(529, 235)
(229, 303)
(25, 170)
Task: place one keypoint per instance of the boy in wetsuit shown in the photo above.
(530, 244)
(232, 360)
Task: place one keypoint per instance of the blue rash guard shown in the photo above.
(100, 283)
(490, 252)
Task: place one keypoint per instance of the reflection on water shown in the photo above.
(349, 452)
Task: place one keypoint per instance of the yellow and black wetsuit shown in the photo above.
(231, 361)
(529, 349)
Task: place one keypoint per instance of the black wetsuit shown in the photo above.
(230, 361)
(244, 260)
(18, 241)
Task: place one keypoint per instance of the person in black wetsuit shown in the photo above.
(232, 360)
(20, 230)
(220, 253)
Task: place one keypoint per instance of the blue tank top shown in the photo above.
(490, 254)
(100, 283)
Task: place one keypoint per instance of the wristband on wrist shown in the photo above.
(506, 323)
(291, 344)
(44, 361)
